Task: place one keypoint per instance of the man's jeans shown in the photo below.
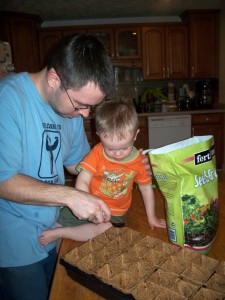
(30, 282)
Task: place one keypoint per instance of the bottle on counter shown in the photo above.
(171, 104)
(171, 92)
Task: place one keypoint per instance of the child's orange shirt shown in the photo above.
(112, 181)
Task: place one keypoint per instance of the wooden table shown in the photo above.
(63, 287)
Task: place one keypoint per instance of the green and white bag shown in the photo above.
(185, 172)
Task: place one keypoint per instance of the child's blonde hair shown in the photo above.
(116, 118)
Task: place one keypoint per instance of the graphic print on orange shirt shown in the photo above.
(115, 183)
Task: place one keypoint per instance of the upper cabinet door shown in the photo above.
(128, 42)
(50, 37)
(153, 47)
(177, 52)
(203, 43)
(165, 52)
(20, 30)
(123, 44)
(106, 37)
(47, 40)
(24, 32)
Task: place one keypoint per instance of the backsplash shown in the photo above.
(130, 85)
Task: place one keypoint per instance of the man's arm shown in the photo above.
(26, 190)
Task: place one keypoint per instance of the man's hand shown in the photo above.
(91, 208)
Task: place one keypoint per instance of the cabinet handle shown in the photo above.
(164, 72)
(193, 131)
(168, 72)
(193, 71)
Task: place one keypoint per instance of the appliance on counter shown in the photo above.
(166, 130)
(205, 93)
(186, 99)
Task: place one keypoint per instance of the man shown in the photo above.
(41, 130)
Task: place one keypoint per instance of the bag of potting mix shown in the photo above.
(185, 172)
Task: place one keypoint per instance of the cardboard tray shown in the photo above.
(94, 284)
(142, 267)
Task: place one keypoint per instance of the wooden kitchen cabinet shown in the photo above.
(142, 137)
(107, 38)
(211, 124)
(47, 40)
(90, 129)
(123, 44)
(165, 52)
(21, 31)
(73, 31)
(128, 42)
(203, 42)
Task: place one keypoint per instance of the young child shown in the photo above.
(109, 171)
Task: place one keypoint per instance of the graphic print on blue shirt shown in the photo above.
(51, 145)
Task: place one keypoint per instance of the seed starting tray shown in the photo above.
(125, 264)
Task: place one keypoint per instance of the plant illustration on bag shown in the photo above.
(200, 221)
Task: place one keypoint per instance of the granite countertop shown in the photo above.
(219, 108)
(187, 112)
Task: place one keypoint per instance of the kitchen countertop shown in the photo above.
(219, 108)
(179, 113)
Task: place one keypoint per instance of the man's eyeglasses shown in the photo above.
(77, 108)
(74, 107)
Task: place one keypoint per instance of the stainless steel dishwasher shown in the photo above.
(166, 130)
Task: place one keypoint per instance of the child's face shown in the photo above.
(118, 149)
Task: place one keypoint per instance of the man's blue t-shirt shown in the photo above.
(37, 142)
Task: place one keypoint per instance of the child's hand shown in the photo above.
(155, 222)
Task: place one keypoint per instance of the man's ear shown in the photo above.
(53, 79)
(136, 134)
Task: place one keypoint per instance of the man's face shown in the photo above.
(72, 103)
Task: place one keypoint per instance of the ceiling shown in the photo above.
(53, 10)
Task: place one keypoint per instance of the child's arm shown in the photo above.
(149, 202)
(83, 181)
